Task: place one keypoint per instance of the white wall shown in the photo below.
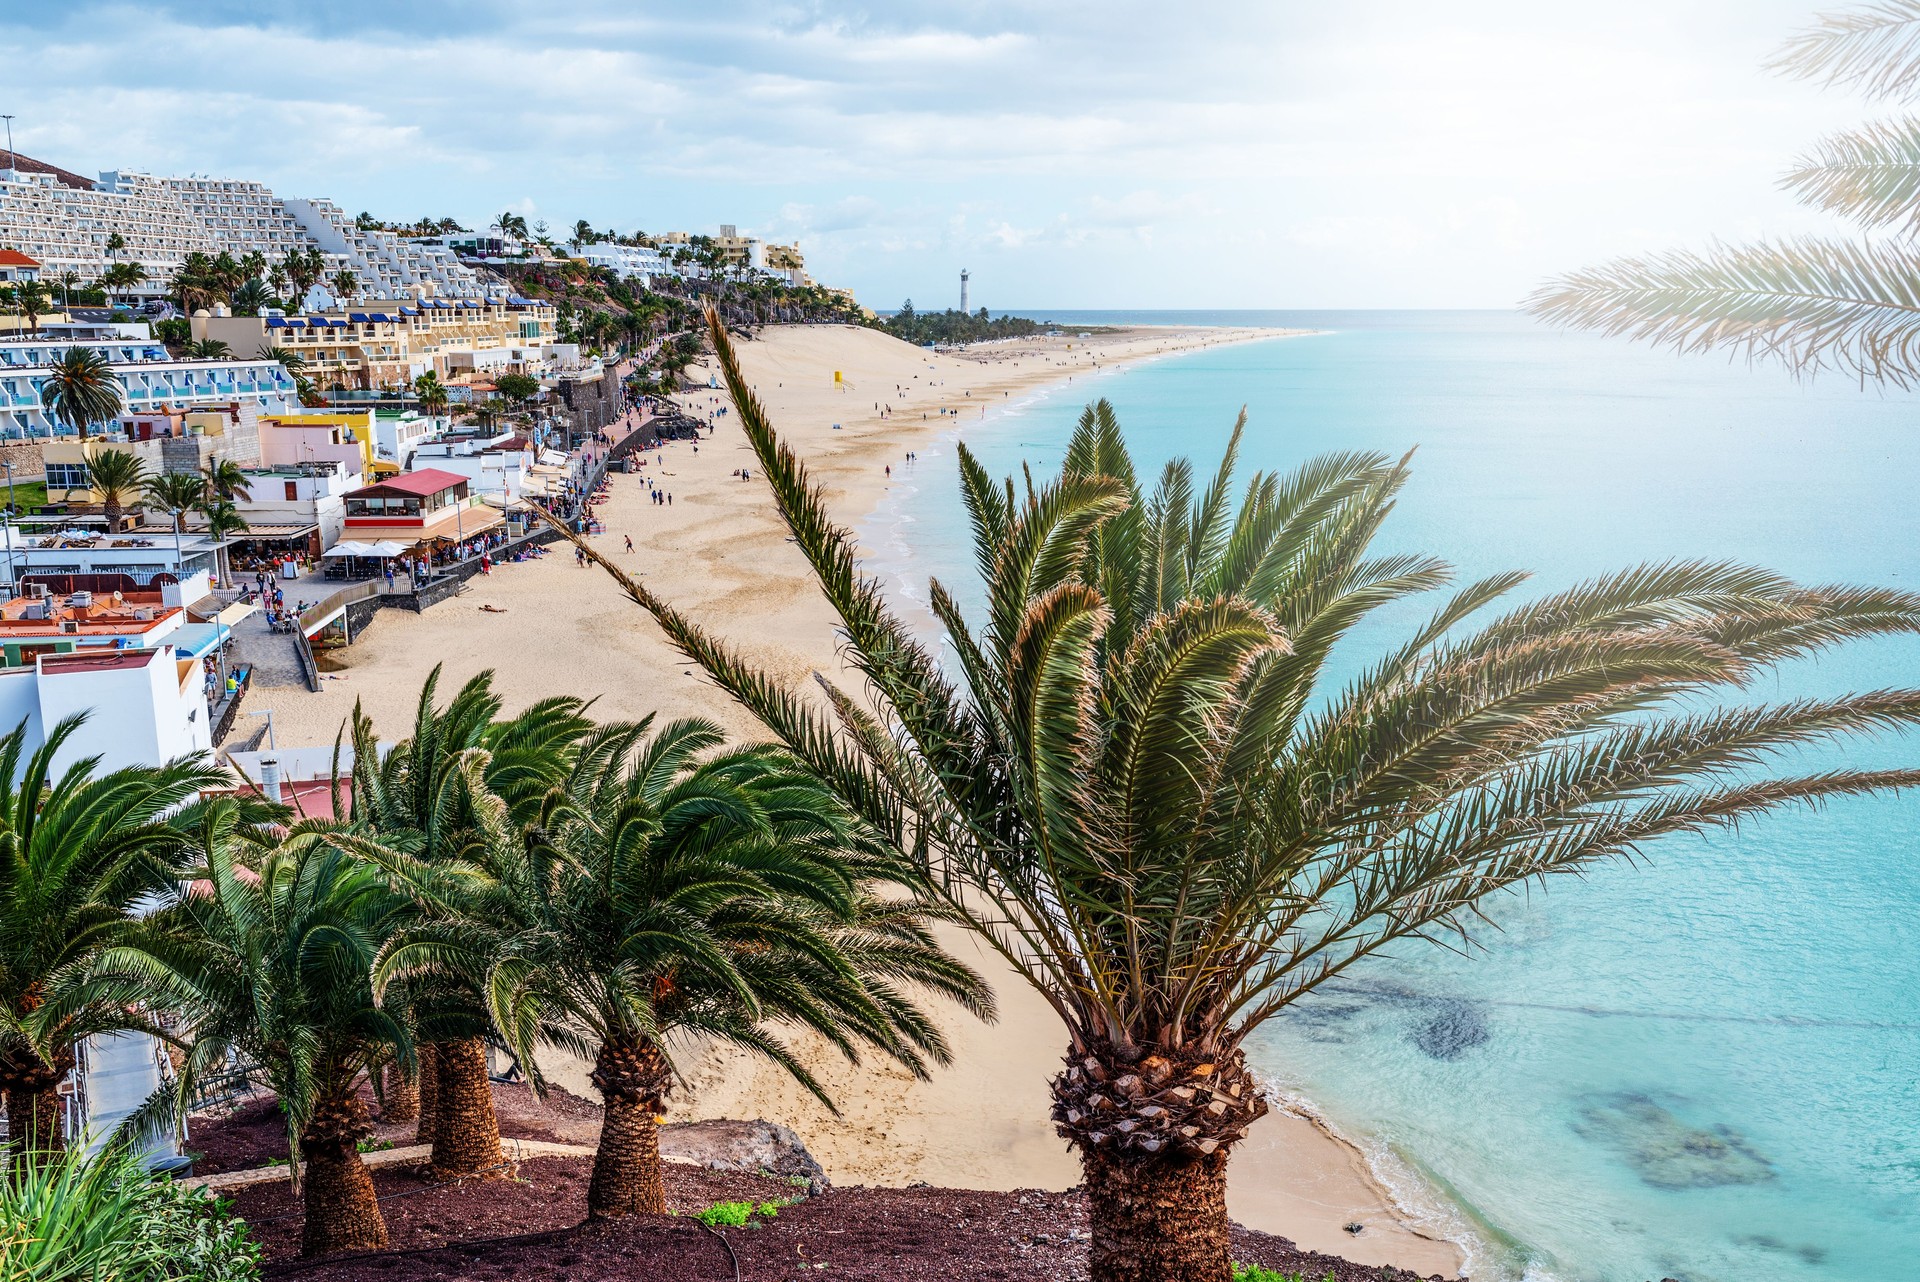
(20, 701)
(191, 588)
(135, 715)
(503, 474)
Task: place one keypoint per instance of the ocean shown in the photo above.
(1703, 1066)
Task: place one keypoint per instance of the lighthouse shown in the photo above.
(963, 290)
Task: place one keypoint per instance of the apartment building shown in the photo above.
(182, 441)
(150, 380)
(65, 223)
(319, 436)
(640, 263)
(143, 705)
(385, 347)
(294, 508)
(240, 217)
(786, 262)
(387, 265)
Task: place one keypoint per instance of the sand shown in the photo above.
(720, 553)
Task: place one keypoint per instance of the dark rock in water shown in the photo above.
(1322, 1020)
(753, 1147)
(1451, 1029)
(1666, 1152)
(1806, 1251)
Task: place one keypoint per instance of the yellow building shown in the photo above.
(164, 441)
(388, 344)
(788, 261)
(736, 249)
(315, 435)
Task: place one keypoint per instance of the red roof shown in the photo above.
(65, 177)
(14, 258)
(428, 480)
(95, 661)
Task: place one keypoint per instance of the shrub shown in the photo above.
(76, 1219)
(732, 1215)
(194, 1237)
(736, 1215)
(1259, 1273)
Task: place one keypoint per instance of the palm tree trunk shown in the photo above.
(633, 1077)
(466, 1134)
(402, 1097)
(342, 1210)
(1154, 1132)
(1155, 1220)
(429, 1054)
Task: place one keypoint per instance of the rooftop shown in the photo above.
(65, 177)
(94, 661)
(102, 615)
(428, 480)
(14, 258)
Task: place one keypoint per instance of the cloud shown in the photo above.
(1390, 153)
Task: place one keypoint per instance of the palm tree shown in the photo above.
(32, 299)
(277, 279)
(434, 796)
(273, 965)
(114, 476)
(294, 268)
(1809, 303)
(77, 849)
(194, 282)
(176, 494)
(346, 285)
(665, 895)
(251, 297)
(207, 349)
(226, 273)
(80, 389)
(68, 279)
(225, 479)
(122, 276)
(115, 243)
(291, 361)
(223, 522)
(1138, 789)
(511, 224)
(431, 393)
(582, 234)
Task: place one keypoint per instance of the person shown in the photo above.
(580, 557)
(389, 570)
(629, 539)
(486, 563)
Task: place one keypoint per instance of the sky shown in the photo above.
(1205, 154)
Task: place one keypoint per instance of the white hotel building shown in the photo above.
(149, 379)
(640, 263)
(64, 221)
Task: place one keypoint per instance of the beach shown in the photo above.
(853, 403)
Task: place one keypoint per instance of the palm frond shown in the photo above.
(1870, 174)
(1806, 304)
(1875, 48)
